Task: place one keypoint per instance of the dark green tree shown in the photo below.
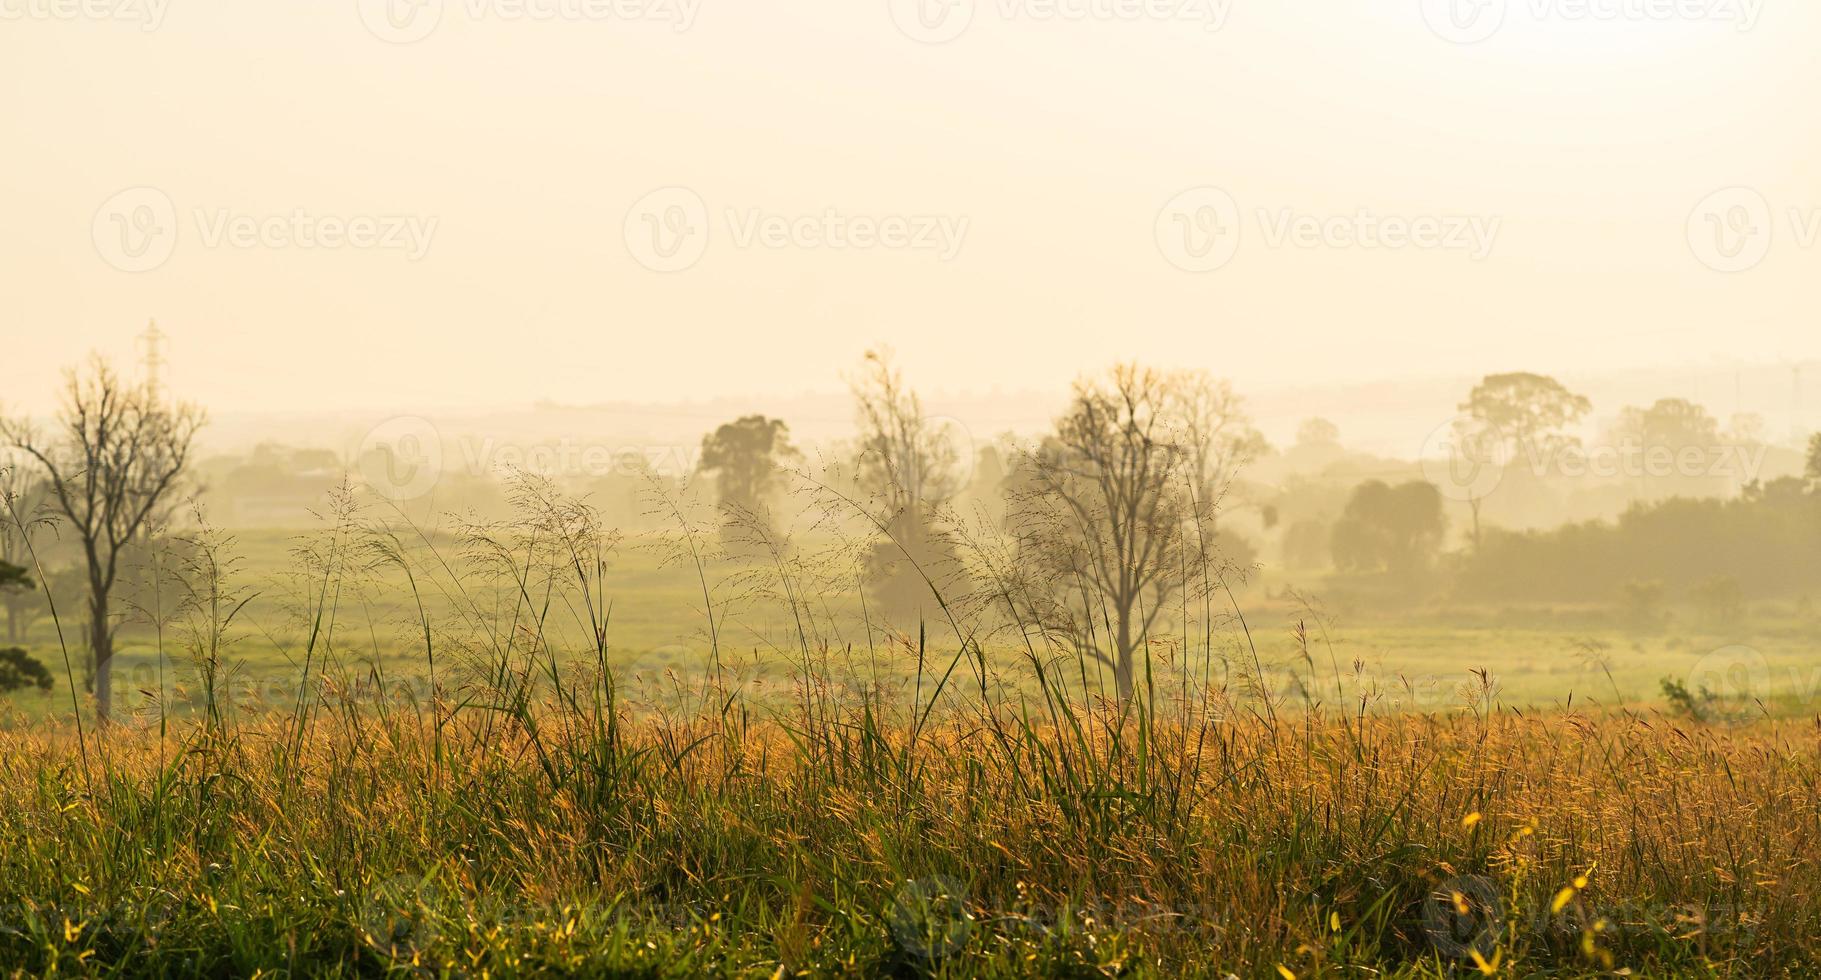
(1389, 529)
(14, 584)
(13, 578)
(23, 497)
(18, 670)
(746, 457)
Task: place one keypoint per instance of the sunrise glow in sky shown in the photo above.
(488, 202)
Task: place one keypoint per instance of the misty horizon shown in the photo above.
(902, 488)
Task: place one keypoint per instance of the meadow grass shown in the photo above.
(1417, 657)
(935, 801)
(553, 840)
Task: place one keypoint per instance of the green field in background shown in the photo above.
(1397, 659)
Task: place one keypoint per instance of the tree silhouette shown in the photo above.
(1106, 512)
(22, 499)
(18, 670)
(117, 455)
(908, 469)
(746, 459)
(1530, 412)
(1390, 529)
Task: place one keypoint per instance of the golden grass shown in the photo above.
(1488, 842)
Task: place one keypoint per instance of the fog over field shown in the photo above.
(898, 488)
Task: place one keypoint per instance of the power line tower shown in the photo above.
(152, 359)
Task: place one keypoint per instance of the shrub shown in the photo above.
(19, 670)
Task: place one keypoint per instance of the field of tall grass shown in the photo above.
(981, 808)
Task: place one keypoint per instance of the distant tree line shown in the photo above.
(1119, 511)
(1768, 541)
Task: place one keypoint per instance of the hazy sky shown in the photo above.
(451, 203)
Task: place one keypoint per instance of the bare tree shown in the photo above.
(1104, 513)
(909, 468)
(1476, 458)
(116, 455)
(1216, 432)
(22, 493)
(906, 462)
